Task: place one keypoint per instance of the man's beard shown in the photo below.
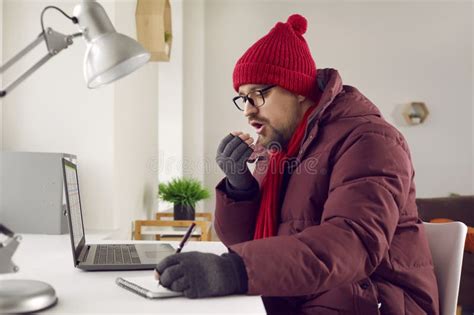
(275, 139)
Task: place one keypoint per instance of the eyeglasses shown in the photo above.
(255, 98)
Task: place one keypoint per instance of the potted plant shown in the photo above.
(184, 193)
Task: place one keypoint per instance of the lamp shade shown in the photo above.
(109, 55)
(112, 57)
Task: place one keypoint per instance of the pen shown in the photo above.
(185, 238)
(180, 246)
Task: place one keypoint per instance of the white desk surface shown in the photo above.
(48, 258)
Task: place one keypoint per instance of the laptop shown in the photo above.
(102, 257)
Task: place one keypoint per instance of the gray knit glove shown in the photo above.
(232, 155)
(200, 275)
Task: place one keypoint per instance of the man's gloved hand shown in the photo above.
(200, 275)
(232, 155)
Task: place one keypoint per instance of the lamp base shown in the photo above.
(25, 296)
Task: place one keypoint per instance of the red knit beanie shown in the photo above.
(281, 57)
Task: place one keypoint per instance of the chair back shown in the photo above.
(446, 241)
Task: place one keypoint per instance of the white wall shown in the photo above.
(393, 52)
(170, 109)
(135, 134)
(194, 102)
(112, 129)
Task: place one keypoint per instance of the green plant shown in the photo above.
(183, 191)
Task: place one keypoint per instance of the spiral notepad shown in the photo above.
(146, 287)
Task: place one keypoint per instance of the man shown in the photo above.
(327, 223)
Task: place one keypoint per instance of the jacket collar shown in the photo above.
(330, 83)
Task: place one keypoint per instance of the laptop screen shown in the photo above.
(73, 199)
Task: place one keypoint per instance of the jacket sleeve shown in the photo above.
(369, 184)
(235, 214)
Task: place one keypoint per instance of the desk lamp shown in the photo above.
(109, 56)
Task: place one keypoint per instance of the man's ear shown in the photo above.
(301, 98)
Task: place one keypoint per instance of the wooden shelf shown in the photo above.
(153, 19)
(415, 113)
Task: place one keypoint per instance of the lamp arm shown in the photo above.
(7, 249)
(55, 42)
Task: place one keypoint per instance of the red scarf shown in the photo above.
(267, 220)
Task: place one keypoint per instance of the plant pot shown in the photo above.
(183, 212)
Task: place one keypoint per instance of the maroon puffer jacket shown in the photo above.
(349, 236)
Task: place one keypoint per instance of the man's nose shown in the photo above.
(249, 109)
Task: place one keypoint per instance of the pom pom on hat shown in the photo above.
(298, 23)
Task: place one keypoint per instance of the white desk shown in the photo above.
(49, 258)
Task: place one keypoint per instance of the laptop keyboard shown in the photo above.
(116, 254)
